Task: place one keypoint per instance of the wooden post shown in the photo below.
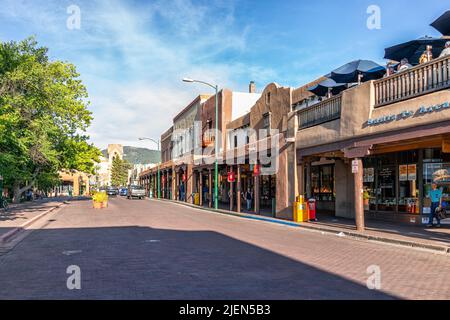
(357, 170)
(256, 194)
(238, 189)
(210, 188)
(231, 192)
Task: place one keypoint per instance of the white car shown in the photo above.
(136, 192)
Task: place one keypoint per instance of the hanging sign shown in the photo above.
(369, 175)
(403, 173)
(256, 170)
(412, 172)
(355, 166)
(231, 176)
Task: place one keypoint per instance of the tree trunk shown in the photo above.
(19, 191)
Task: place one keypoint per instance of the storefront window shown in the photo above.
(322, 182)
(369, 196)
(408, 198)
(438, 173)
(387, 200)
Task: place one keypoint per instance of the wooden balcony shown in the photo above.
(327, 110)
(422, 79)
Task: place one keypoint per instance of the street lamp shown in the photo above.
(216, 145)
(159, 174)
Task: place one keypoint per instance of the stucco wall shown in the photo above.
(358, 107)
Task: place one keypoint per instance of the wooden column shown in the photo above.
(210, 188)
(168, 187)
(175, 184)
(358, 183)
(256, 194)
(238, 189)
(231, 192)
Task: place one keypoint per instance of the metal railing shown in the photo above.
(327, 110)
(419, 80)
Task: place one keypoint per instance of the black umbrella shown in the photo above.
(442, 24)
(322, 88)
(412, 50)
(351, 72)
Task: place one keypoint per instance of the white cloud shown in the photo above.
(133, 58)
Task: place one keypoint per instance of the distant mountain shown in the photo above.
(136, 155)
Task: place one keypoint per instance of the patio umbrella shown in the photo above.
(442, 24)
(321, 89)
(412, 50)
(349, 73)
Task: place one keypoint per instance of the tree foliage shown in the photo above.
(119, 171)
(43, 117)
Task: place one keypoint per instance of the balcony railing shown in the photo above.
(321, 112)
(422, 79)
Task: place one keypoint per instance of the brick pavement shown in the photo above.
(20, 214)
(160, 250)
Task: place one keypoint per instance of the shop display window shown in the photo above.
(322, 182)
(438, 173)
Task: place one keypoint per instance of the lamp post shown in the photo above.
(159, 177)
(216, 145)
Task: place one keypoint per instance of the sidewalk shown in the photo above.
(22, 214)
(413, 235)
(437, 240)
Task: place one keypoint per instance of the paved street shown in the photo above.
(159, 250)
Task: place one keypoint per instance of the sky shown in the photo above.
(132, 55)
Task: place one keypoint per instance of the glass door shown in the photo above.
(387, 195)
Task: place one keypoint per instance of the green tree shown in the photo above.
(43, 118)
(119, 171)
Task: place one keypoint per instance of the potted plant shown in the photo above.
(100, 200)
(366, 197)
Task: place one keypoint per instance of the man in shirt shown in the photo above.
(446, 51)
(435, 195)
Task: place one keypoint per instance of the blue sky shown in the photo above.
(132, 54)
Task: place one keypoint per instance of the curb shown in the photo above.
(7, 236)
(356, 235)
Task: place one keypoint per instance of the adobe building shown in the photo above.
(385, 141)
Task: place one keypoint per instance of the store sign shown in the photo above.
(403, 173)
(256, 170)
(412, 172)
(407, 114)
(231, 176)
(369, 175)
(355, 166)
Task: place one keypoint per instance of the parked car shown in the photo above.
(136, 192)
(112, 191)
(123, 192)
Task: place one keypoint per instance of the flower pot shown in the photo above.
(97, 205)
(105, 204)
